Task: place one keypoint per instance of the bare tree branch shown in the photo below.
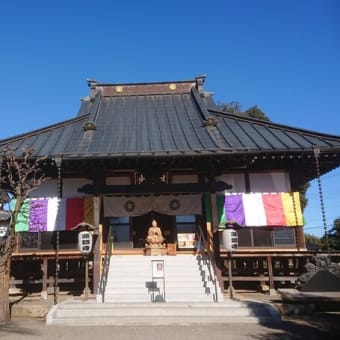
(20, 176)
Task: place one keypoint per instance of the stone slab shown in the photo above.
(298, 296)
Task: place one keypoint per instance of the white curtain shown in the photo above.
(163, 204)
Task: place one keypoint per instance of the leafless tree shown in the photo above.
(20, 174)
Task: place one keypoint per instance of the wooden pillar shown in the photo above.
(100, 240)
(263, 285)
(57, 233)
(270, 274)
(215, 237)
(214, 212)
(209, 244)
(44, 268)
(97, 246)
(300, 238)
(212, 227)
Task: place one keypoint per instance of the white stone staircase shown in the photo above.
(189, 297)
(187, 278)
(77, 312)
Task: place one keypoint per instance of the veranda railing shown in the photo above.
(106, 265)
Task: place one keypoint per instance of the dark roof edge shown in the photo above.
(277, 125)
(92, 82)
(47, 128)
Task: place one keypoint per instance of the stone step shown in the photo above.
(148, 274)
(147, 270)
(148, 299)
(168, 283)
(168, 290)
(79, 303)
(158, 257)
(144, 265)
(74, 312)
(133, 312)
(169, 260)
(182, 294)
(149, 265)
(185, 279)
(178, 287)
(147, 261)
(188, 298)
(165, 320)
(142, 298)
(143, 279)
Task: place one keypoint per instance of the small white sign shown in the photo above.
(3, 231)
(158, 269)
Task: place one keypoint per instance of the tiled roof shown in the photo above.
(49, 141)
(162, 119)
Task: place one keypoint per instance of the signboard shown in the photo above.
(158, 268)
(186, 240)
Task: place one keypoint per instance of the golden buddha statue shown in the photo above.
(154, 240)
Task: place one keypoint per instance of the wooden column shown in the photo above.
(214, 212)
(270, 274)
(215, 249)
(100, 240)
(210, 244)
(97, 246)
(300, 238)
(57, 233)
(44, 268)
(214, 239)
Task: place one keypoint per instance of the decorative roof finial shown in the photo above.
(199, 84)
(89, 126)
(91, 83)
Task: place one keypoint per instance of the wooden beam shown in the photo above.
(261, 278)
(155, 188)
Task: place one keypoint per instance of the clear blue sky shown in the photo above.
(282, 55)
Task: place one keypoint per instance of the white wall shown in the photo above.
(236, 180)
(70, 188)
(269, 182)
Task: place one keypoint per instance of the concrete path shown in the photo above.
(289, 329)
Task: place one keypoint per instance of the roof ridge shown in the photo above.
(202, 107)
(146, 88)
(92, 82)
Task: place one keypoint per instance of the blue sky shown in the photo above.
(281, 55)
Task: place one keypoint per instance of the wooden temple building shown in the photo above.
(143, 151)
